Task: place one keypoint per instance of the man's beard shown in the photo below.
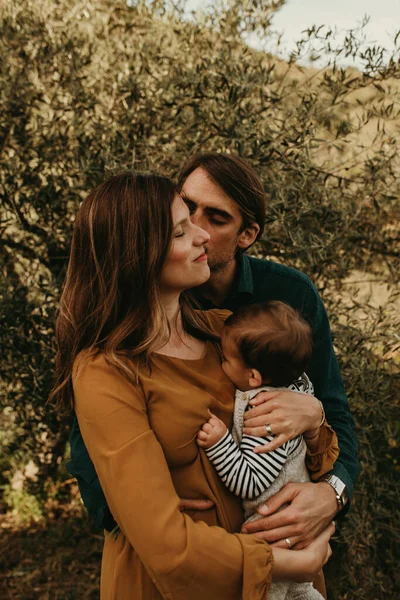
(219, 262)
(219, 267)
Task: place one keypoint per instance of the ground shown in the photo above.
(57, 560)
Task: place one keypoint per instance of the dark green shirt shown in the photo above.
(258, 281)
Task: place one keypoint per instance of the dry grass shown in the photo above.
(56, 560)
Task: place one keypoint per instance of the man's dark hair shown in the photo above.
(272, 338)
(237, 178)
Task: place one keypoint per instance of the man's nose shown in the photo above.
(202, 236)
(199, 220)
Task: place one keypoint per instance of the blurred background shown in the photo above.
(89, 88)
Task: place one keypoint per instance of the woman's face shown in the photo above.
(186, 265)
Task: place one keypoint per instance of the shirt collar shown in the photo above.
(242, 286)
(244, 276)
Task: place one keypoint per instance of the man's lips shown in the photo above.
(203, 256)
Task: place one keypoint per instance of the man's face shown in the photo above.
(211, 209)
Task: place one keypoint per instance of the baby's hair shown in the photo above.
(272, 338)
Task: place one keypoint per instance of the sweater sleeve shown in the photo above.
(182, 557)
(245, 473)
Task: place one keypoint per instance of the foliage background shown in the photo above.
(89, 88)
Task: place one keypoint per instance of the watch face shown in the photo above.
(344, 496)
(340, 489)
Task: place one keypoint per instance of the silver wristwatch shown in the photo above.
(340, 489)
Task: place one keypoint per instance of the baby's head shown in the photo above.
(265, 344)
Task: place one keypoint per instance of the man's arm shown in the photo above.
(324, 372)
(81, 467)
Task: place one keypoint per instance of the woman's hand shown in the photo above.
(287, 413)
(303, 565)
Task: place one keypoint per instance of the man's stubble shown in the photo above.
(221, 261)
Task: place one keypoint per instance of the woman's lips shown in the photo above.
(201, 257)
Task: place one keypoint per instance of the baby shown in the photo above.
(265, 347)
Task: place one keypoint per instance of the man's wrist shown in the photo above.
(339, 488)
(340, 470)
(328, 500)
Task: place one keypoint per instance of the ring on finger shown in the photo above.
(289, 543)
(268, 429)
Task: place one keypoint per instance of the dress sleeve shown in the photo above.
(321, 462)
(183, 557)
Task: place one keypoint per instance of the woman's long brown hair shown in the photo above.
(110, 301)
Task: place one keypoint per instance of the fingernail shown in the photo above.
(243, 530)
(263, 510)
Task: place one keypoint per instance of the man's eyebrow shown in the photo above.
(186, 198)
(217, 211)
(181, 222)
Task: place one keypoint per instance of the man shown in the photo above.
(226, 198)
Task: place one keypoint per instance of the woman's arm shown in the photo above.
(288, 413)
(322, 451)
(134, 475)
(292, 565)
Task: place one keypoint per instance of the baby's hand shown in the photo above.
(211, 432)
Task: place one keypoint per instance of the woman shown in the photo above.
(141, 369)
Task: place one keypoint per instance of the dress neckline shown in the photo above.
(186, 360)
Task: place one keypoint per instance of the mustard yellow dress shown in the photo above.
(142, 441)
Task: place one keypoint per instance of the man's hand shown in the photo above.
(287, 413)
(211, 432)
(312, 506)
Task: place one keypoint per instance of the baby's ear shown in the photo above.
(255, 378)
